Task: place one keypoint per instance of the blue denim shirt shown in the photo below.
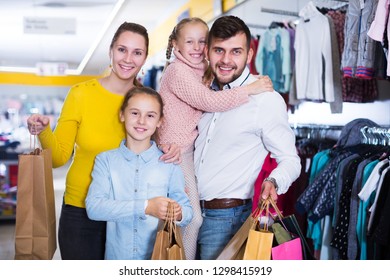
(121, 182)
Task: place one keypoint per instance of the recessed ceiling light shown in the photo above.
(59, 4)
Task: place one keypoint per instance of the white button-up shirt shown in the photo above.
(231, 146)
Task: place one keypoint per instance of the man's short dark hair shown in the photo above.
(226, 27)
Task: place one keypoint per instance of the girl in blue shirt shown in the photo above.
(131, 188)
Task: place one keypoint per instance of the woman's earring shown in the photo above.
(142, 72)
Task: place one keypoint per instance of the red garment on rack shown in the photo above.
(252, 67)
(268, 165)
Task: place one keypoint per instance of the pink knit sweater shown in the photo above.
(186, 98)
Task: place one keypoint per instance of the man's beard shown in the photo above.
(236, 74)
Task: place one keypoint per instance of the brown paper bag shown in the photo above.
(234, 250)
(35, 227)
(176, 250)
(169, 242)
(161, 244)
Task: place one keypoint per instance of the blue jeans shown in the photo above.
(219, 226)
(79, 237)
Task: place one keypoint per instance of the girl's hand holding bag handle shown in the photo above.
(169, 242)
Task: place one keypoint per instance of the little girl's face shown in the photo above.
(141, 117)
(191, 42)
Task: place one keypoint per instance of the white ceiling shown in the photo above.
(78, 32)
(75, 32)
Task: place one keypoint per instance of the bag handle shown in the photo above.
(278, 212)
(34, 150)
(170, 224)
(267, 214)
(275, 207)
(258, 213)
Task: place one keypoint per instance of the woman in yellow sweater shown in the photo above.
(89, 124)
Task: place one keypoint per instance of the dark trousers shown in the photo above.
(79, 237)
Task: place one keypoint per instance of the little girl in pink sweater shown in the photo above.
(186, 97)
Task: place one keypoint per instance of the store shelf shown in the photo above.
(8, 188)
(7, 217)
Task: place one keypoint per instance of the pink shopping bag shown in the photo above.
(290, 250)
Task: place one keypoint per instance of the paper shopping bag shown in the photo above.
(161, 244)
(293, 227)
(259, 245)
(290, 223)
(289, 250)
(288, 246)
(235, 248)
(176, 251)
(260, 239)
(35, 226)
(169, 242)
(281, 234)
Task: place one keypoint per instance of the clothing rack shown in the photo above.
(334, 4)
(375, 135)
(257, 26)
(279, 12)
(331, 4)
(318, 126)
(317, 131)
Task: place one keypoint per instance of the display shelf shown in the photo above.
(8, 188)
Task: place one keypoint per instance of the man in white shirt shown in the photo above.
(232, 145)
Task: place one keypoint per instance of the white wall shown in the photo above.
(319, 113)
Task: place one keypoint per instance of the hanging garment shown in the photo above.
(381, 229)
(361, 231)
(353, 90)
(313, 62)
(340, 234)
(252, 65)
(325, 182)
(373, 220)
(342, 172)
(358, 58)
(381, 25)
(273, 58)
(352, 251)
(361, 227)
(336, 107)
(268, 165)
(362, 155)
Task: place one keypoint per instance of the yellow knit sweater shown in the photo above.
(88, 124)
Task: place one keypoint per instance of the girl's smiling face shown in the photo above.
(142, 116)
(191, 41)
